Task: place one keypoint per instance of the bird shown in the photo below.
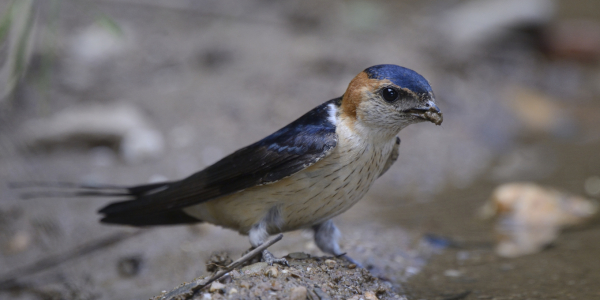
(299, 177)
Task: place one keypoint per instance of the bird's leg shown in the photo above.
(326, 238)
(258, 235)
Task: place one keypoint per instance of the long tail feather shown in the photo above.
(41, 189)
(116, 212)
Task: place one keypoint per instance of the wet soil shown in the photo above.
(567, 269)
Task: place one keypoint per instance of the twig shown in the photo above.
(236, 263)
(9, 279)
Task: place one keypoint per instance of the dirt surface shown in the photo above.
(565, 270)
(209, 77)
(306, 277)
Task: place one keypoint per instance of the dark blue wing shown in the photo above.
(285, 152)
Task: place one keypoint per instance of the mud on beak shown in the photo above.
(429, 112)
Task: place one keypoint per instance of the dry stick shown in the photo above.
(238, 262)
(6, 280)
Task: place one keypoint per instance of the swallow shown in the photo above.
(299, 177)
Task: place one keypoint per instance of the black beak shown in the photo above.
(429, 106)
(429, 111)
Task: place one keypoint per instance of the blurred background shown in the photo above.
(135, 91)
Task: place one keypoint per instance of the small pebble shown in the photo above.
(272, 272)
(370, 296)
(298, 293)
(255, 269)
(263, 286)
(276, 286)
(382, 289)
(352, 266)
(244, 284)
(232, 291)
(330, 263)
(129, 266)
(216, 286)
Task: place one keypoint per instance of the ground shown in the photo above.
(212, 76)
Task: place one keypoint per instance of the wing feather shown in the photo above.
(285, 152)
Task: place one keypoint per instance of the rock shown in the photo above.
(255, 269)
(370, 296)
(318, 283)
(298, 293)
(97, 44)
(330, 263)
(216, 287)
(141, 144)
(272, 272)
(118, 124)
(90, 52)
(529, 217)
(352, 266)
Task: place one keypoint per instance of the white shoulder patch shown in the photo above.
(332, 110)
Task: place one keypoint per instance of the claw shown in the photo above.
(270, 259)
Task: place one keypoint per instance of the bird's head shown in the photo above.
(389, 98)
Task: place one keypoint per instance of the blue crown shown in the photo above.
(400, 76)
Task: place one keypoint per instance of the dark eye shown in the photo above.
(389, 94)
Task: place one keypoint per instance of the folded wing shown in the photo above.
(285, 152)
